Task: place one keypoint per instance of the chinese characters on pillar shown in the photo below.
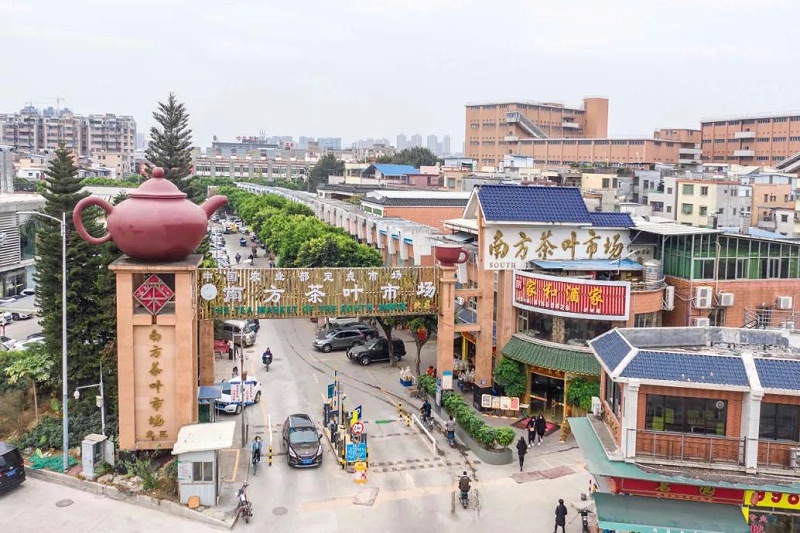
(155, 420)
(508, 248)
(290, 293)
(599, 300)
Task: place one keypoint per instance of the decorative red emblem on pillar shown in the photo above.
(153, 294)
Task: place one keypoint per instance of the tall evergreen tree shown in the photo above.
(91, 311)
(171, 144)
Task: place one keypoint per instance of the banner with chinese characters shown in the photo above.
(303, 293)
(154, 386)
(512, 247)
(553, 295)
(678, 491)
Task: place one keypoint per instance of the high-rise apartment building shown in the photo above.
(402, 142)
(104, 137)
(446, 145)
(416, 141)
(6, 170)
(494, 129)
(758, 140)
(432, 144)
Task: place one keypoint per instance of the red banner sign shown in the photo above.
(675, 491)
(582, 298)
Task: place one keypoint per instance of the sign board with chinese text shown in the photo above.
(154, 386)
(313, 292)
(581, 298)
(512, 247)
(678, 491)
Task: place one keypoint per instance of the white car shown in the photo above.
(23, 345)
(252, 395)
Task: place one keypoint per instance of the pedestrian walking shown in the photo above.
(531, 427)
(3, 326)
(522, 449)
(561, 517)
(541, 427)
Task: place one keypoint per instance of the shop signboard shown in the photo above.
(580, 298)
(512, 247)
(313, 292)
(505, 403)
(677, 491)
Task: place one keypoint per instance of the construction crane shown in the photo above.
(58, 101)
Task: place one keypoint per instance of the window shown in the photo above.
(647, 320)
(704, 190)
(732, 268)
(613, 395)
(686, 415)
(773, 198)
(762, 139)
(669, 209)
(669, 190)
(778, 422)
(687, 209)
(779, 139)
(703, 211)
(703, 269)
(766, 197)
(687, 188)
(784, 218)
(717, 317)
(202, 472)
(606, 182)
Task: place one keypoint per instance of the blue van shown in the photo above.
(12, 468)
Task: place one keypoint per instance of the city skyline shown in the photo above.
(658, 66)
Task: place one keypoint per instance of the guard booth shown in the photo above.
(197, 450)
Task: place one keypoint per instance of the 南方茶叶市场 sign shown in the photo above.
(310, 292)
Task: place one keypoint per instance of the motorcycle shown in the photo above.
(585, 520)
(451, 438)
(244, 509)
(266, 359)
(464, 499)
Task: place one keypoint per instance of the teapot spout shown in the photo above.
(213, 203)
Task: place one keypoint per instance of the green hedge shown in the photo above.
(468, 418)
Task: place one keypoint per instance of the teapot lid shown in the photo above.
(158, 187)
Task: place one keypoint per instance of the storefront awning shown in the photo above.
(590, 265)
(639, 514)
(551, 356)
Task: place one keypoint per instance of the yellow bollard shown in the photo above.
(408, 421)
(270, 455)
(360, 472)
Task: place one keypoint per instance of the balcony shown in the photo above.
(744, 135)
(511, 138)
(571, 125)
(690, 151)
(778, 455)
(689, 161)
(668, 447)
(743, 153)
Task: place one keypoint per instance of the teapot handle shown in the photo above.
(78, 221)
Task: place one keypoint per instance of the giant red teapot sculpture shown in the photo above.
(157, 222)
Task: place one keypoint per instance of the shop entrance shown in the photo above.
(547, 395)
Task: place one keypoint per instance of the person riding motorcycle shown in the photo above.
(450, 427)
(464, 486)
(426, 410)
(266, 357)
(255, 449)
(238, 257)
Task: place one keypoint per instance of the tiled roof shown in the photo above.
(778, 373)
(532, 353)
(611, 348)
(611, 220)
(513, 203)
(395, 170)
(688, 368)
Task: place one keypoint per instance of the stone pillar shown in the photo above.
(506, 312)
(630, 413)
(559, 334)
(447, 319)
(564, 410)
(751, 419)
(483, 338)
(206, 342)
(156, 354)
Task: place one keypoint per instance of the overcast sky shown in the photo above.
(357, 69)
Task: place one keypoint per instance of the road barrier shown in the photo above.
(419, 423)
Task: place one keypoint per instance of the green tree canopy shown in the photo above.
(171, 144)
(327, 165)
(510, 375)
(416, 157)
(35, 364)
(333, 250)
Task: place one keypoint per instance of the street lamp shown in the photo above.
(102, 397)
(64, 391)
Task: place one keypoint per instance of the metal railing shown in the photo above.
(688, 447)
(778, 455)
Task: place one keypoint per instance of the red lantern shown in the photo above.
(422, 334)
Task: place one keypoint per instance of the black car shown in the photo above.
(301, 441)
(12, 469)
(368, 331)
(376, 350)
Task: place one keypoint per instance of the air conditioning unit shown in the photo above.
(783, 302)
(725, 299)
(702, 297)
(701, 322)
(459, 300)
(669, 298)
(597, 407)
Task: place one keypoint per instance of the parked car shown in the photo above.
(37, 335)
(8, 342)
(301, 441)
(12, 469)
(21, 315)
(238, 331)
(23, 345)
(368, 331)
(29, 292)
(342, 320)
(338, 339)
(224, 403)
(376, 350)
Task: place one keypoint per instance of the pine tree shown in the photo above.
(171, 145)
(91, 311)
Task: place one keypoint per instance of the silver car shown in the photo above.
(339, 339)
